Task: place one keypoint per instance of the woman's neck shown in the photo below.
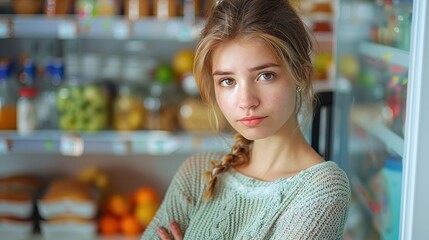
(281, 155)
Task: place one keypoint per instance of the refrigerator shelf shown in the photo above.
(71, 27)
(112, 142)
(369, 119)
(388, 54)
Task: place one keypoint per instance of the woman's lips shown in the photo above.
(251, 121)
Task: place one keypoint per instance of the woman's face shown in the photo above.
(255, 93)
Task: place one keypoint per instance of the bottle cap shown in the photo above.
(27, 92)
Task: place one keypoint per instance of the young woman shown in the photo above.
(253, 59)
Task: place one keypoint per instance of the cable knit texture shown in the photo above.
(310, 205)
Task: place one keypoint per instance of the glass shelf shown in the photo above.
(369, 119)
(389, 54)
(70, 27)
(112, 142)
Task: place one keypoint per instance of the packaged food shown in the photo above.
(161, 106)
(8, 99)
(164, 9)
(58, 7)
(106, 7)
(69, 228)
(17, 193)
(128, 109)
(136, 9)
(82, 107)
(26, 110)
(27, 6)
(194, 115)
(68, 199)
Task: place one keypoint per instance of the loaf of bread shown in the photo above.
(68, 189)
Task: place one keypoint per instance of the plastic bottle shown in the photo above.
(47, 113)
(26, 107)
(392, 174)
(28, 75)
(7, 100)
(402, 30)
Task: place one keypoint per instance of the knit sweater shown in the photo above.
(310, 205)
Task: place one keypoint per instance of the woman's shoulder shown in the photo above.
(197, 164)
(325, 177)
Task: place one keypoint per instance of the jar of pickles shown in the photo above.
(128, 109)
(82, 107)
(8, 98)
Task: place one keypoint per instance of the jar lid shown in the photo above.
(27, 92)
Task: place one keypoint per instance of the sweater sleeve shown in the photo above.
(182, 194)
(321, 212)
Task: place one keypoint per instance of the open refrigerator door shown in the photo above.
(379, 79)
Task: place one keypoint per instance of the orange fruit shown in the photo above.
(183, 62)
(130, 226)
(145, 212)
(118, 205)
(146, 194)
(108, 225)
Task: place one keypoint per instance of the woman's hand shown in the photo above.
(175, 230)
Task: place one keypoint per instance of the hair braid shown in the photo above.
(238, 156)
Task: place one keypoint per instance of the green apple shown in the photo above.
(164, 74)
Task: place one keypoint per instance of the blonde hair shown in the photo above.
(276, 24)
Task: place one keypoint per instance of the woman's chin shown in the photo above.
(253, 134)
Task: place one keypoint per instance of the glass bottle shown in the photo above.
(26, 109)
(7, 100)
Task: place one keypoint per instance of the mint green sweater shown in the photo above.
(310, 205)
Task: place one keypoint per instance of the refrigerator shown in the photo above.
(380, 131)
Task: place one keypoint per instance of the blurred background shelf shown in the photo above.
(112, 142)
(389, 54)
(71, 27)
(369, 119)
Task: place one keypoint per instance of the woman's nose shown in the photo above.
(247, 98)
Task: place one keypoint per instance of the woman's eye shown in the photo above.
(266, 76)
(226, 82)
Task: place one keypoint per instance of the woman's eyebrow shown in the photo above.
(222, 73)
(263, 66)
(252, 69)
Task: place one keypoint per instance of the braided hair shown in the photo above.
(239, 155)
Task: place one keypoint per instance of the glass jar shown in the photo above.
(161, 106)
(164, 9)
(128, 109)
(58, 7)
(27, 6)
(26, 108)
(85, 8)
(136, 9)
(8, 100)
(82, 107)
(106, 7)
